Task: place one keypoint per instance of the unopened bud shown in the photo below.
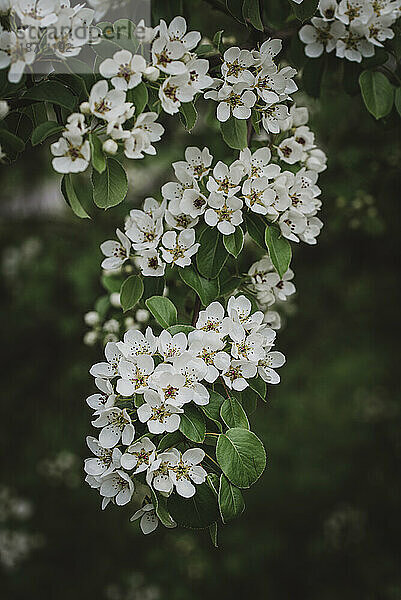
(85, 108)
(110, 147)
(151, 73)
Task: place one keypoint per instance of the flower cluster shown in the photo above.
(352, 27)
(251, 80)
(146, 383)
(44, 27)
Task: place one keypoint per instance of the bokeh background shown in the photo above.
(324, 521)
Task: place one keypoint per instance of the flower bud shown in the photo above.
(91, 318)
(151, 73)
(90, 338)
(85, 108)
(115, 299)
(4, 108)
(110, 147)
(142, 315)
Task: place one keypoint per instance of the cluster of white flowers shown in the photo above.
(352, 27)
(252, 80)
(106, 330)
(144, 386)
(270, 289)
(41, 27)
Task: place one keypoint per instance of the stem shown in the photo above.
(213, 461)
(196, 310)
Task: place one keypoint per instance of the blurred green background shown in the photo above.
(324, 521)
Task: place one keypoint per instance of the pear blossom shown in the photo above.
(258, 195)
(196, 165)
(144, 231)
(236, 100)
(107, 104)
(137, 344)
(170, 385)
(225, 180)
(106, 399)
(72, 153)
(119, 486)
(212, 319)
(171, 346)
(16, 52)
(174, 91)
(266, 367)
(139, 456)
(236, 375)
(208, 347)
(273, 115)
(160, 416)
(148, 518)
(225, 213)
(134, 375)
(109, 369)
(105, 461)
(235, 66)
(290, 151)
(116, 424)
(179, 249)
(187, 471)
(124, 69)
(158, 474)
(292, 223)
(176, 31)
(257, 164)
(150, 263)
(116, 252)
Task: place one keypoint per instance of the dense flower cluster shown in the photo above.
(251, 80)
(44, 27)
(352, 27)
(270, 289)
(144, 386)
(180, 76)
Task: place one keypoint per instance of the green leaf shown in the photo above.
(231, 501)
(112, 283)
(163, 310)
(235, 132)
(160, 506)
(241, 456)
(217, 40)
(279, 250)
(377, 93)
(305, 10)
(234, 242)
(53, 92)
(188, 115)
(97, 156)
(197, 512)
(170, 440)
(10, 143)
(131, 292)
(213, 531)
(259, 386)
(312, 75)
(251, 12)
(211, 255)
(397, 100)
(153, 286)
(228, 282)
(233, 414)
(139, 96)
(235, 8)
(212, 410)
(20, 123)
(207, 289)
(45, 130)
(180, 329)
(256, 227)
(111, 186)
(71, 196)
(193, 424)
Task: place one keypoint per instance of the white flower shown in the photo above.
(158, 474)
(177, 32)
(159, 415)
(106, 461)
(320, 35)
(145, 35)
(270, 85)
(258, 164)
(240, 317)
(290, 151)
(116, 424)
(193, 203)
(377, 30)
(39, 13)
(178, 219)
(235, 68)
(282, 287)
(16, 51)
(144, 230)
(268, 50)
(266, 367)
(316, 161)
(209, 347)
(76, 124)
(225, 179)
(106, 399)
(150, 263)
(225, 213)
(312, 230)
(235, 100)
(354, 46)
(124, 69)
(173, 92)
(171, 346)
(258, 195)
(72, 154)
(193, 370)
(109, 369)
(187, 470)
(148, 518)
(235, 377)
(354, 12)
(250, 348)
(196, 164)
(146, 121)
(272, 319)
(198, 79)
(212, 319)
(105, 104)
(119, 486)
(139, 456)
(116, 252)
(272, 116)
(134, 376)
(137, 344)
(327, 9)
(292, 223)
(166, 56)
(169, 383)
(179, 249)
